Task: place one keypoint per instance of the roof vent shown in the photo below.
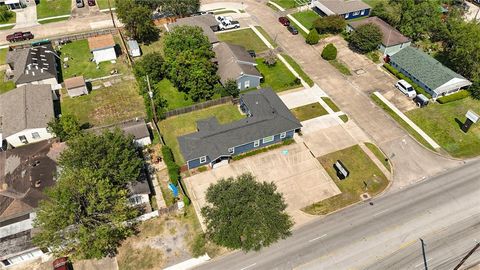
(38, 183)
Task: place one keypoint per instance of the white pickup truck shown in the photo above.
(227, 25)
(221, 19)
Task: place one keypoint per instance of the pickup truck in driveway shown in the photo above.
(19, 36)
(227, 25)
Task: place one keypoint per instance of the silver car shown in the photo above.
(80, 3)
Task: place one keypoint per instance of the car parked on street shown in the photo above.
(79, 3)
(91, 3)
(19, 36)
(406, 88)
(284, 21)
(292, 30)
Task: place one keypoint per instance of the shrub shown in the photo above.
(453, 97)
(5, 14)
(173, 168)
(400, 75)
(329, 52)
(330, 24)
(312, 37)
(186, 200)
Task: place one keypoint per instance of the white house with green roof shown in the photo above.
(424, 70)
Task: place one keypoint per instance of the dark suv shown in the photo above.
(19, 36)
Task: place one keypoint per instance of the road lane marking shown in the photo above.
(246, 267)
(381, 212)
(311, 240)
(423, 263)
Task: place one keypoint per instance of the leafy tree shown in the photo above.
(151, 64)
(231, 88)
(84, 216)
(179, 8)
(417, 18)
(243, 213)
(137, 20)
(64, 127)
(389, 12)
(329, 52)
(187, 38)
(312, 37)
(366, 38)
(5, 14)
(329, 25)
(475, 90)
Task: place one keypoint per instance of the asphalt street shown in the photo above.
(444, 211)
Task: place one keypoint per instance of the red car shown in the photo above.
(284, 20)
(61, 264)
(19, 36)
(91, 2)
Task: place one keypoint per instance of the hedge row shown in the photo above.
(457, 96)
(265, 149)
(400, 75)
(173, 168)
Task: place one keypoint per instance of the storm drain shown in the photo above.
(359, 71)
(365, 196)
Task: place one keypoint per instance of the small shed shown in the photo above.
(133, 48)
(76, 86)
(102, 48)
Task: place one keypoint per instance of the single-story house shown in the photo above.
(25, 172)
(133, 48)
(76, 86)
(24, 114)
(348, 9)
(392, 40)
(14, 4)
(135, 127)
(235, 63)
(206, 22)
(102, 48)
(424, 70)
(267, 121)
(34, 65)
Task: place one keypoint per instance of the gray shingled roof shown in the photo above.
(234, 61)
(204, 21)
(32, 64)
(28, 106)
(342, 7)
(135, 127)
(270, 116)
(391, 36)
(425, 68)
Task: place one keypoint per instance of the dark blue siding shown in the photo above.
(357, 14)
(196, 163)
(414, 79)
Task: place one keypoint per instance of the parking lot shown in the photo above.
(297, 174)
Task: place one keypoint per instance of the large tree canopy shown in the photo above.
(330, 24)
(64, 127)
(366, 38)
(179, 8)
(137, 19)
(243, 213)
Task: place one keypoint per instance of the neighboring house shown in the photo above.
(392, 40)
(14, 4)
(135, 127)
(133, 48)
(267, 121)
(34, 65)
(235, 63)
(348, 9)
(427, 72)
(206, 22)
(25, 172)
(103, 48)
(24, 114)
(140, 193)
(76, 86)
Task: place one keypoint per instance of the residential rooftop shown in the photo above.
(206, 22)
(390, 35)
(339, 7)
(134, 127)
(234, 61)
(101, 42)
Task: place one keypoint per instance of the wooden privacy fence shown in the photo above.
(200, 106)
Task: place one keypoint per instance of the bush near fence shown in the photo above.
(400, 75)
(173, 168)
(200, 106)
(453, 97)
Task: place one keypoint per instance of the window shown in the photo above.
(35, 135)
(346, 15)
(135, 200)
(231, 150)
(268, 139)
(247, 84)
(356, 13)
(283, 135)
(23, 139)
(362, 12)
(203, 159)
(239, 85)
(256, 143)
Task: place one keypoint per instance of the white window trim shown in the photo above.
(247, 84)
(231, 150)
(256, 143)
(35, 135)
(203, 159)
(267, 139)
(283, 135)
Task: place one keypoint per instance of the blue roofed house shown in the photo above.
(348, 9)
(424, 70)
(268, 121)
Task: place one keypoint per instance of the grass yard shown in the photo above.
(379, 154)
(183, 124)
(442, 122)
(340, 67)
(175, 98)
(286, 4)
(103, 4)
(344, 118)
(309, 111)
(244, 37)
(156, 46)
(306, 18)
(331, 104)
(106, 106)
(3, 56)
(277, 77)
(266, 35)
(298, 69)
(365, 177)
(5, 86)
(79, 63)
(50, 8)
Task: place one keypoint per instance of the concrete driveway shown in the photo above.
(27, 16)
(297, 174)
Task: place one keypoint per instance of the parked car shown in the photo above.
(284, 20)
(19, 36)
(91, 3)
(406, 88)
(222, 19)
(61, 264)
(421, 100)
(80, 3)
(292, 30)
(227, 25)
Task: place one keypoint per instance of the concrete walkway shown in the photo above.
(276, 5)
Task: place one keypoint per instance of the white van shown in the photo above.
(406, 88)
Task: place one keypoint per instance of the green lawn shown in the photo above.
(306, 18)
(3, 56)
(442, 123)
(50, 8)
(103, 4)
(365, 177)
(183, 124)
(344, 118)
(331, 104)
(309, 111)
(340, 67)
(79, 62)
(156, 46)
(175, 98)
(298, 69)
(244, 37)
(106, 106)
(266, 35)
(286, 4)
(379, 154)
(5, 86)
(278, 77)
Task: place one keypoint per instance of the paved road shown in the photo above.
(444, 211)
